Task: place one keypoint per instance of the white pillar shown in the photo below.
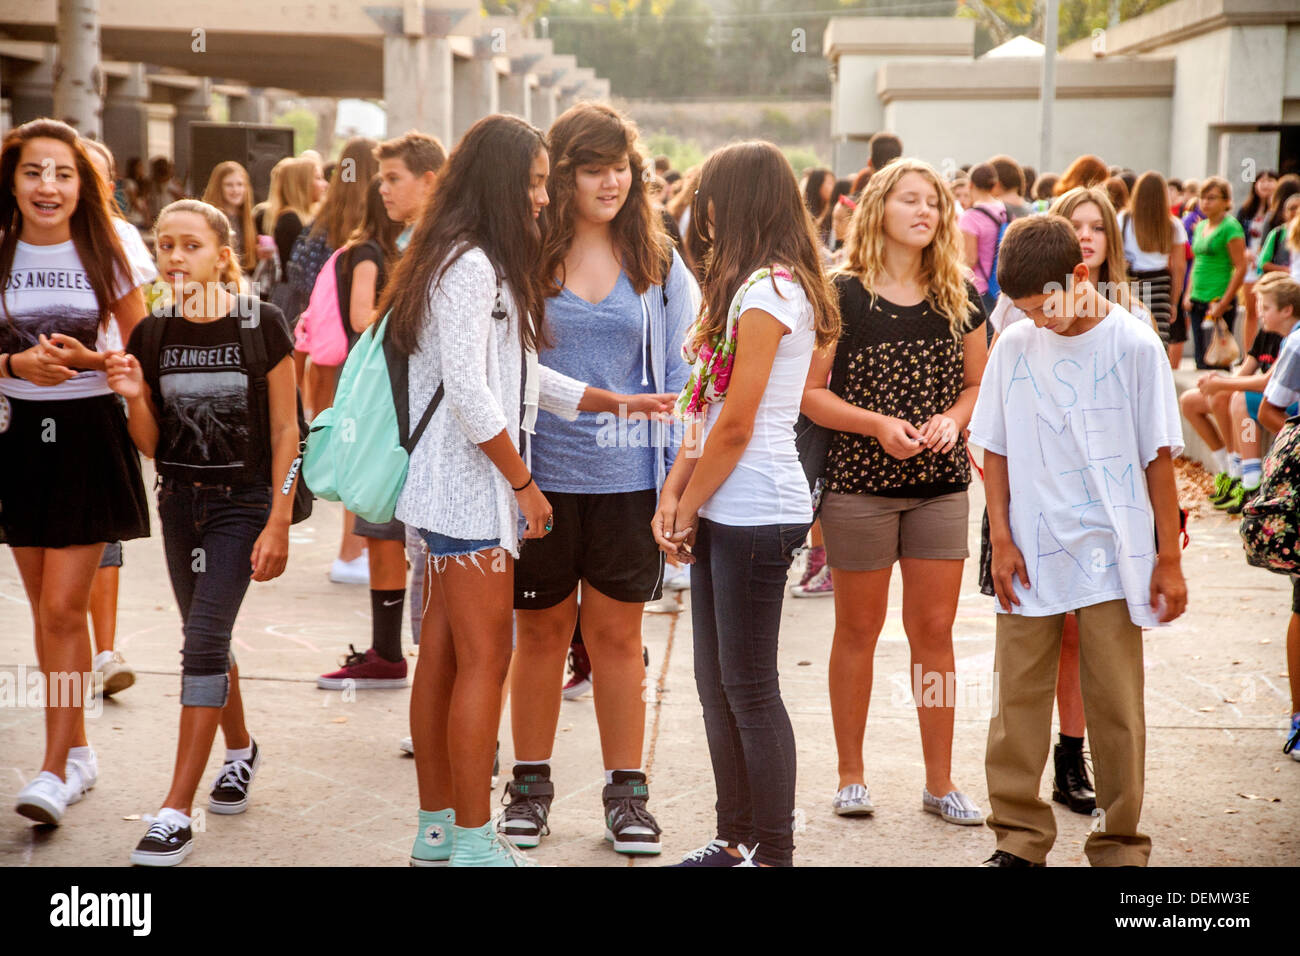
(78, 98)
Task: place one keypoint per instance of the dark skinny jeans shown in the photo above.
(737, 589)
(208, 536)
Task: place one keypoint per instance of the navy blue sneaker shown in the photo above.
(715, 854)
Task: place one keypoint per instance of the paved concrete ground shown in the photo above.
(334, 790)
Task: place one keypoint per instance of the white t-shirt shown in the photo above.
(768, 486)
(48, 291)
(143, 272)
(1283, 388)
(1078, 419)
(1141, 261)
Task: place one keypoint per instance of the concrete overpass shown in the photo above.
(437, 65)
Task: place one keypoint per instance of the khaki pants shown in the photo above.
(1020, 733)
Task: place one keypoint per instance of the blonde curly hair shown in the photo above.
(943, 275)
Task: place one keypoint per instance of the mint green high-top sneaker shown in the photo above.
(433, 844)
(484, 846)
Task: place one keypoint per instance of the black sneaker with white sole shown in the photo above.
(230, 789)
(628, 824)
(166, 843)
(528, 803)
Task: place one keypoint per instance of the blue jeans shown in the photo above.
(208, 536)
(737, 589)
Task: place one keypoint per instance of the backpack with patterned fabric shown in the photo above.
(1270, 522)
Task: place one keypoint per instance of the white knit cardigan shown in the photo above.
(452, 487)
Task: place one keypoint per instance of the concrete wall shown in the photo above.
(1132, 132)
(1291, 59)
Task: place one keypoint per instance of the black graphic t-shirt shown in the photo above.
(206, 431)
(901, 361)
(1265, 349)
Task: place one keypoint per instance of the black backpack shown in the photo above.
(253, 348)
(310, 253)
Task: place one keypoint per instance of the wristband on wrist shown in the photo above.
(9, 365)
(523, 486)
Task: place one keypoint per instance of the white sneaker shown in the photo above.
(356, 571)
(80, 776)
(44, 799)
(113, 673)
(407, 746)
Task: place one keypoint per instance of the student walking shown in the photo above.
(71, 479)
(230, 190)
(736, 504)
(1118, 569)
(210, 389)
(903, 382)
(619, 303)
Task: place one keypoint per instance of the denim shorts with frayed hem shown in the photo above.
(442, 546)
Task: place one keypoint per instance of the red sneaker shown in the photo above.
(816, 561)
(580, 665)
(365, 671)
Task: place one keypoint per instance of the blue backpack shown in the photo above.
(992, 277)
(359, 448)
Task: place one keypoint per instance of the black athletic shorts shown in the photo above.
(603, 539)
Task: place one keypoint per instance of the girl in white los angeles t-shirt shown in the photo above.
(71, 480)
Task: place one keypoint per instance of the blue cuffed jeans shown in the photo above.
(208, 535)
(737, 589)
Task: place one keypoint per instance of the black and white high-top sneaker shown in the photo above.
(529, 797)
(628, 824)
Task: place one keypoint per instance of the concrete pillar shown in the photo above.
(476, 90)
(32, 89)
(418, 85)
(251, 108)
(1242, 155)
(544, 108)
(126, 116)
(78, 82)
(514, 94)
(192, 106)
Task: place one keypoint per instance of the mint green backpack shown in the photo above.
(358, 450)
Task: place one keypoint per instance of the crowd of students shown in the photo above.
(539, 285)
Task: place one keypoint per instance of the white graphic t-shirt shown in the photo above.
(1078, 419)
(48, 291)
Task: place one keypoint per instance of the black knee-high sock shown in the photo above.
(386, 622)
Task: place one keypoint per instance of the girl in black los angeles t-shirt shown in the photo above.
(225, 505)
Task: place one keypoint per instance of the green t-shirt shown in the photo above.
(1213, 269)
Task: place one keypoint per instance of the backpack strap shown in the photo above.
(151, 339)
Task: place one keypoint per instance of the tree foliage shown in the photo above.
(683, 49)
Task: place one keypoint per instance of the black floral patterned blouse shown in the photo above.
(901, 361)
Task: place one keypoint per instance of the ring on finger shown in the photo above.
(550, 523)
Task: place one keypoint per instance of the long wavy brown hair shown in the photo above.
(481, 199)
(942, 274)
(345, 203)
(592, 134)
(748, 215)
(91, 224)
(214, 196)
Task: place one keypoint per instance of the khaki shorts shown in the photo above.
(870, 532)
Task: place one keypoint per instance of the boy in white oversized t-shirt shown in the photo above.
(1079, 420)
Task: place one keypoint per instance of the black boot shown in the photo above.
(1071, 785)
